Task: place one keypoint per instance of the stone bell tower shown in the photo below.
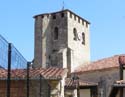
(61, 40)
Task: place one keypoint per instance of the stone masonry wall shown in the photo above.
(45, 45)
(80, 53)
(105, 79)
(48, 49)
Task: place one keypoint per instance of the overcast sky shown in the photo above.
(107, 17)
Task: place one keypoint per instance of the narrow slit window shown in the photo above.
(75, 34)
(86, 25)
(83, 38)
(82, 22)
(56, 32)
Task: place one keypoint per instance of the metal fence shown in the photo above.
(17, 60)
(12, 62)
(3, 53)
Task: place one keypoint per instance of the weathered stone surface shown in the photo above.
(64, 52)
(105, 79)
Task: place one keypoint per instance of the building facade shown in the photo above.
(61, 65)
(61, 40)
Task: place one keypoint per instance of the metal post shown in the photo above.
(121, 72)
(9, 70)
(40, 85)
(76, 78)
(121, 78)
(78, 87)
(49, 87)
(122, 63)
(28, 63)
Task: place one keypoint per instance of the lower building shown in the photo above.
(103, 78)
(42, 82)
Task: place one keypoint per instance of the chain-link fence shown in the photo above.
(17, 79)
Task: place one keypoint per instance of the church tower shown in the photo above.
(61, 40)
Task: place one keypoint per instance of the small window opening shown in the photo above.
(83, 38)
(62, 15)
(82, 22)
(75, 34)
(70, 15)
(74, 17)
(87, 25)
(54, 50)
(56, 32)
(54, 16)
(42, 16)
(48, 16)
(79, 20)
(49, 57)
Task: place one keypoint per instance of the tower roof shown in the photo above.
(66, 10)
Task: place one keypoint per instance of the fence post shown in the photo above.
(28, 63)
(40, 85)
(9, 70)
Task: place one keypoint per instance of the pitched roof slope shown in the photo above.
(49, 73)
(106, 63)
(70, 83)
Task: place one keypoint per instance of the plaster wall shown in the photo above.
(85, 93)
(104, 78)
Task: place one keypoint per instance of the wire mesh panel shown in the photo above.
(16, 78)
(18, 68)
(39, 87)
(12, 65)
(3, 53)
(17, 60)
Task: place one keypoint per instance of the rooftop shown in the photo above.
(70, 83)
(66, 10)
(49, 73)
(106, 63)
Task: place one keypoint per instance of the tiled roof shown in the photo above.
(49, 73)
(111, 62)
(70, 83)
(3, 73)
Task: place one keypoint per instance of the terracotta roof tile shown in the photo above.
(106, 63)
(3, 73)
(49, 73)
(70, 83)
